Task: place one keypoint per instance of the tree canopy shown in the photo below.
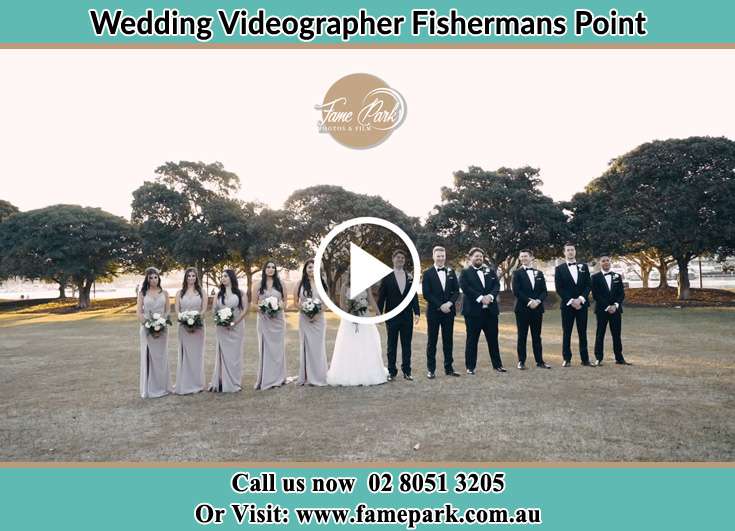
(64, 243)
(7, 209)
(674, 196)
(501, 211)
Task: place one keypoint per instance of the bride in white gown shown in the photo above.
(358, 354)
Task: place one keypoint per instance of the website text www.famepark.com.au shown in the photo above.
(447, 514)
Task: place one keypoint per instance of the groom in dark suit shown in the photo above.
(393, 289)
(440, 288)
(480, 289)
(572, 281)
(529, 287)
(608, 292)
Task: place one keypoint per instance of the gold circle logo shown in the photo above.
(361, 111)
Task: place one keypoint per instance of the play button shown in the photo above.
(364, 270)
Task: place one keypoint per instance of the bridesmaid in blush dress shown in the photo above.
(155, 380)
(227, 376)
(271, 332)
(190, 367)
(312, 333)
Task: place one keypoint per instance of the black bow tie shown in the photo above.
(528, 268)
(441, 268)
(610, 273)
(571, 263)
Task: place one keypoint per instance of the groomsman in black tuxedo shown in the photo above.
(608, 292)
(529, 287)
(440, 288)
(393, 289)
(572, 282)
(480, 289)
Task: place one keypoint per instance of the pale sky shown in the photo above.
(89, 126)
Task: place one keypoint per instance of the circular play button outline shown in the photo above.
(367, 220)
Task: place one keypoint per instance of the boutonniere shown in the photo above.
(449, 270)
(580, 267)
(486, 270)
(409, 278)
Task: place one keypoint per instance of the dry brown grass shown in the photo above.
(68, 391)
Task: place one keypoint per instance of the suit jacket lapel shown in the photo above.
(398, 287)
(524, 275)
(604, 281)
(438, 280)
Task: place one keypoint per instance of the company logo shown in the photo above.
(360, 111)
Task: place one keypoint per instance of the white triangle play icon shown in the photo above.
(365, 270)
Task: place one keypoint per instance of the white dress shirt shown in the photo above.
(608, 280)
(442, 276)
(574, 271)
(481, 274)
(531, 276)
(400, 279)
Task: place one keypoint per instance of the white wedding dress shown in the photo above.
(357, 357)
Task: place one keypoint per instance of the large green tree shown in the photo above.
(597, 230)
(314, 211)
(675, 196)
(67, 242)
(501, 211)
(186, 216)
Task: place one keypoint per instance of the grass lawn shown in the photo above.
(69, 392)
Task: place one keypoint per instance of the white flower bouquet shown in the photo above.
(269, 306)
(310, 307)
(156, 324)
(191, 320)
(359, 306)
(224, 317)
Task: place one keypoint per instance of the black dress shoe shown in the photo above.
(521, 366)
(431, 375)
(407, 377)
(566, 363)
(453, 373)
(500, 369)
(391, 377)
(623, 363)
(543, 365)
(586, 364)
(597, 363)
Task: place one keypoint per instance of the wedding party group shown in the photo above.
(357, 358)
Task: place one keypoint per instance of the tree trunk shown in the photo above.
(683, 263)
(645, 274)
(249, 280)
(663, 271)
(85, 286)
(62, 290)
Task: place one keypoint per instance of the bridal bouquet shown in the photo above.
(269, 306)
(310, 307)
(156, 324)
(191, 320)
(224, 317)
(359, 306)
